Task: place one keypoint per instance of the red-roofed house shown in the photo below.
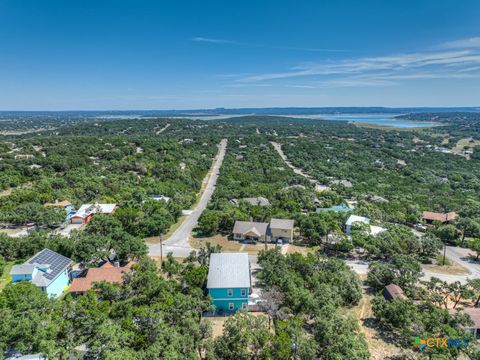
(106, 272)
(393, 292)
(429, 217)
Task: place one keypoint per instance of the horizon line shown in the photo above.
(473, 107)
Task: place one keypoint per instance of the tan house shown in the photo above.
(281, 229)
(24, 156)
(474, 315)
(277, 229)
(57, 203)
(250, 231)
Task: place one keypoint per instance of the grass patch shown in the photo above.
(450, 268)
(440, 262)
(5, 278)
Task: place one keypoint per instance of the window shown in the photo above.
(229, 292)
(244, 292)
(244, 305)
(230, 306)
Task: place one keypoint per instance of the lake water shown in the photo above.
(374, 119)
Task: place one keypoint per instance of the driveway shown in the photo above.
(178, 243)
(256, 295)
(66, 231)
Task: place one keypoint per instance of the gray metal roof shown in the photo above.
(228, 270)
(261, 201)
(55, 262)
(285, 224)
(242, 227)
(23, 269)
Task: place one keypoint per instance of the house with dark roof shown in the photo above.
(47, 270)
(393, 292)
(228, 281)
(107, 272)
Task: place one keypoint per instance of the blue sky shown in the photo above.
(64, 55)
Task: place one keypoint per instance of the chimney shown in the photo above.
(116, 264)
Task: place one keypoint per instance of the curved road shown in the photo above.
(457, 254)
(178, 243)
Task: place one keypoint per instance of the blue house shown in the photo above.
(47, 270)
(337, 208)
(229, 281)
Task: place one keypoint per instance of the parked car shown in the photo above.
(420, 227)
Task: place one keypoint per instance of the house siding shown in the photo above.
(23, 277)
(221, 299)
(57, 286)
(281, 234)
(348, 228)
(253, 238)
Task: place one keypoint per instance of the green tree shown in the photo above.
(468, 227)
(339, 337)
(209, 222)
(447, 233)
(244, 337)
(402, 270)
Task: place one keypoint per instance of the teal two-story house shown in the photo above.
(229, 281)
(47, 270)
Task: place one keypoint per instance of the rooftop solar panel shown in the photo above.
(57, 263)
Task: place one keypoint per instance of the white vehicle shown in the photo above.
(420, 227)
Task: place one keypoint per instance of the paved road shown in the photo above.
(459, 255)
(178, 243)
(162, 129)
(296, 170)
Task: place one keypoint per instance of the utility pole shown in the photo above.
(161, 251)
(444, 251)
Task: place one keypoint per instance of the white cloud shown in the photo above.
(381, 70)
(212, 40)
(473, 42)
(279, 47)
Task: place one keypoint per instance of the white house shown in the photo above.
(352, 219)
(86, 212)
(159, 197)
